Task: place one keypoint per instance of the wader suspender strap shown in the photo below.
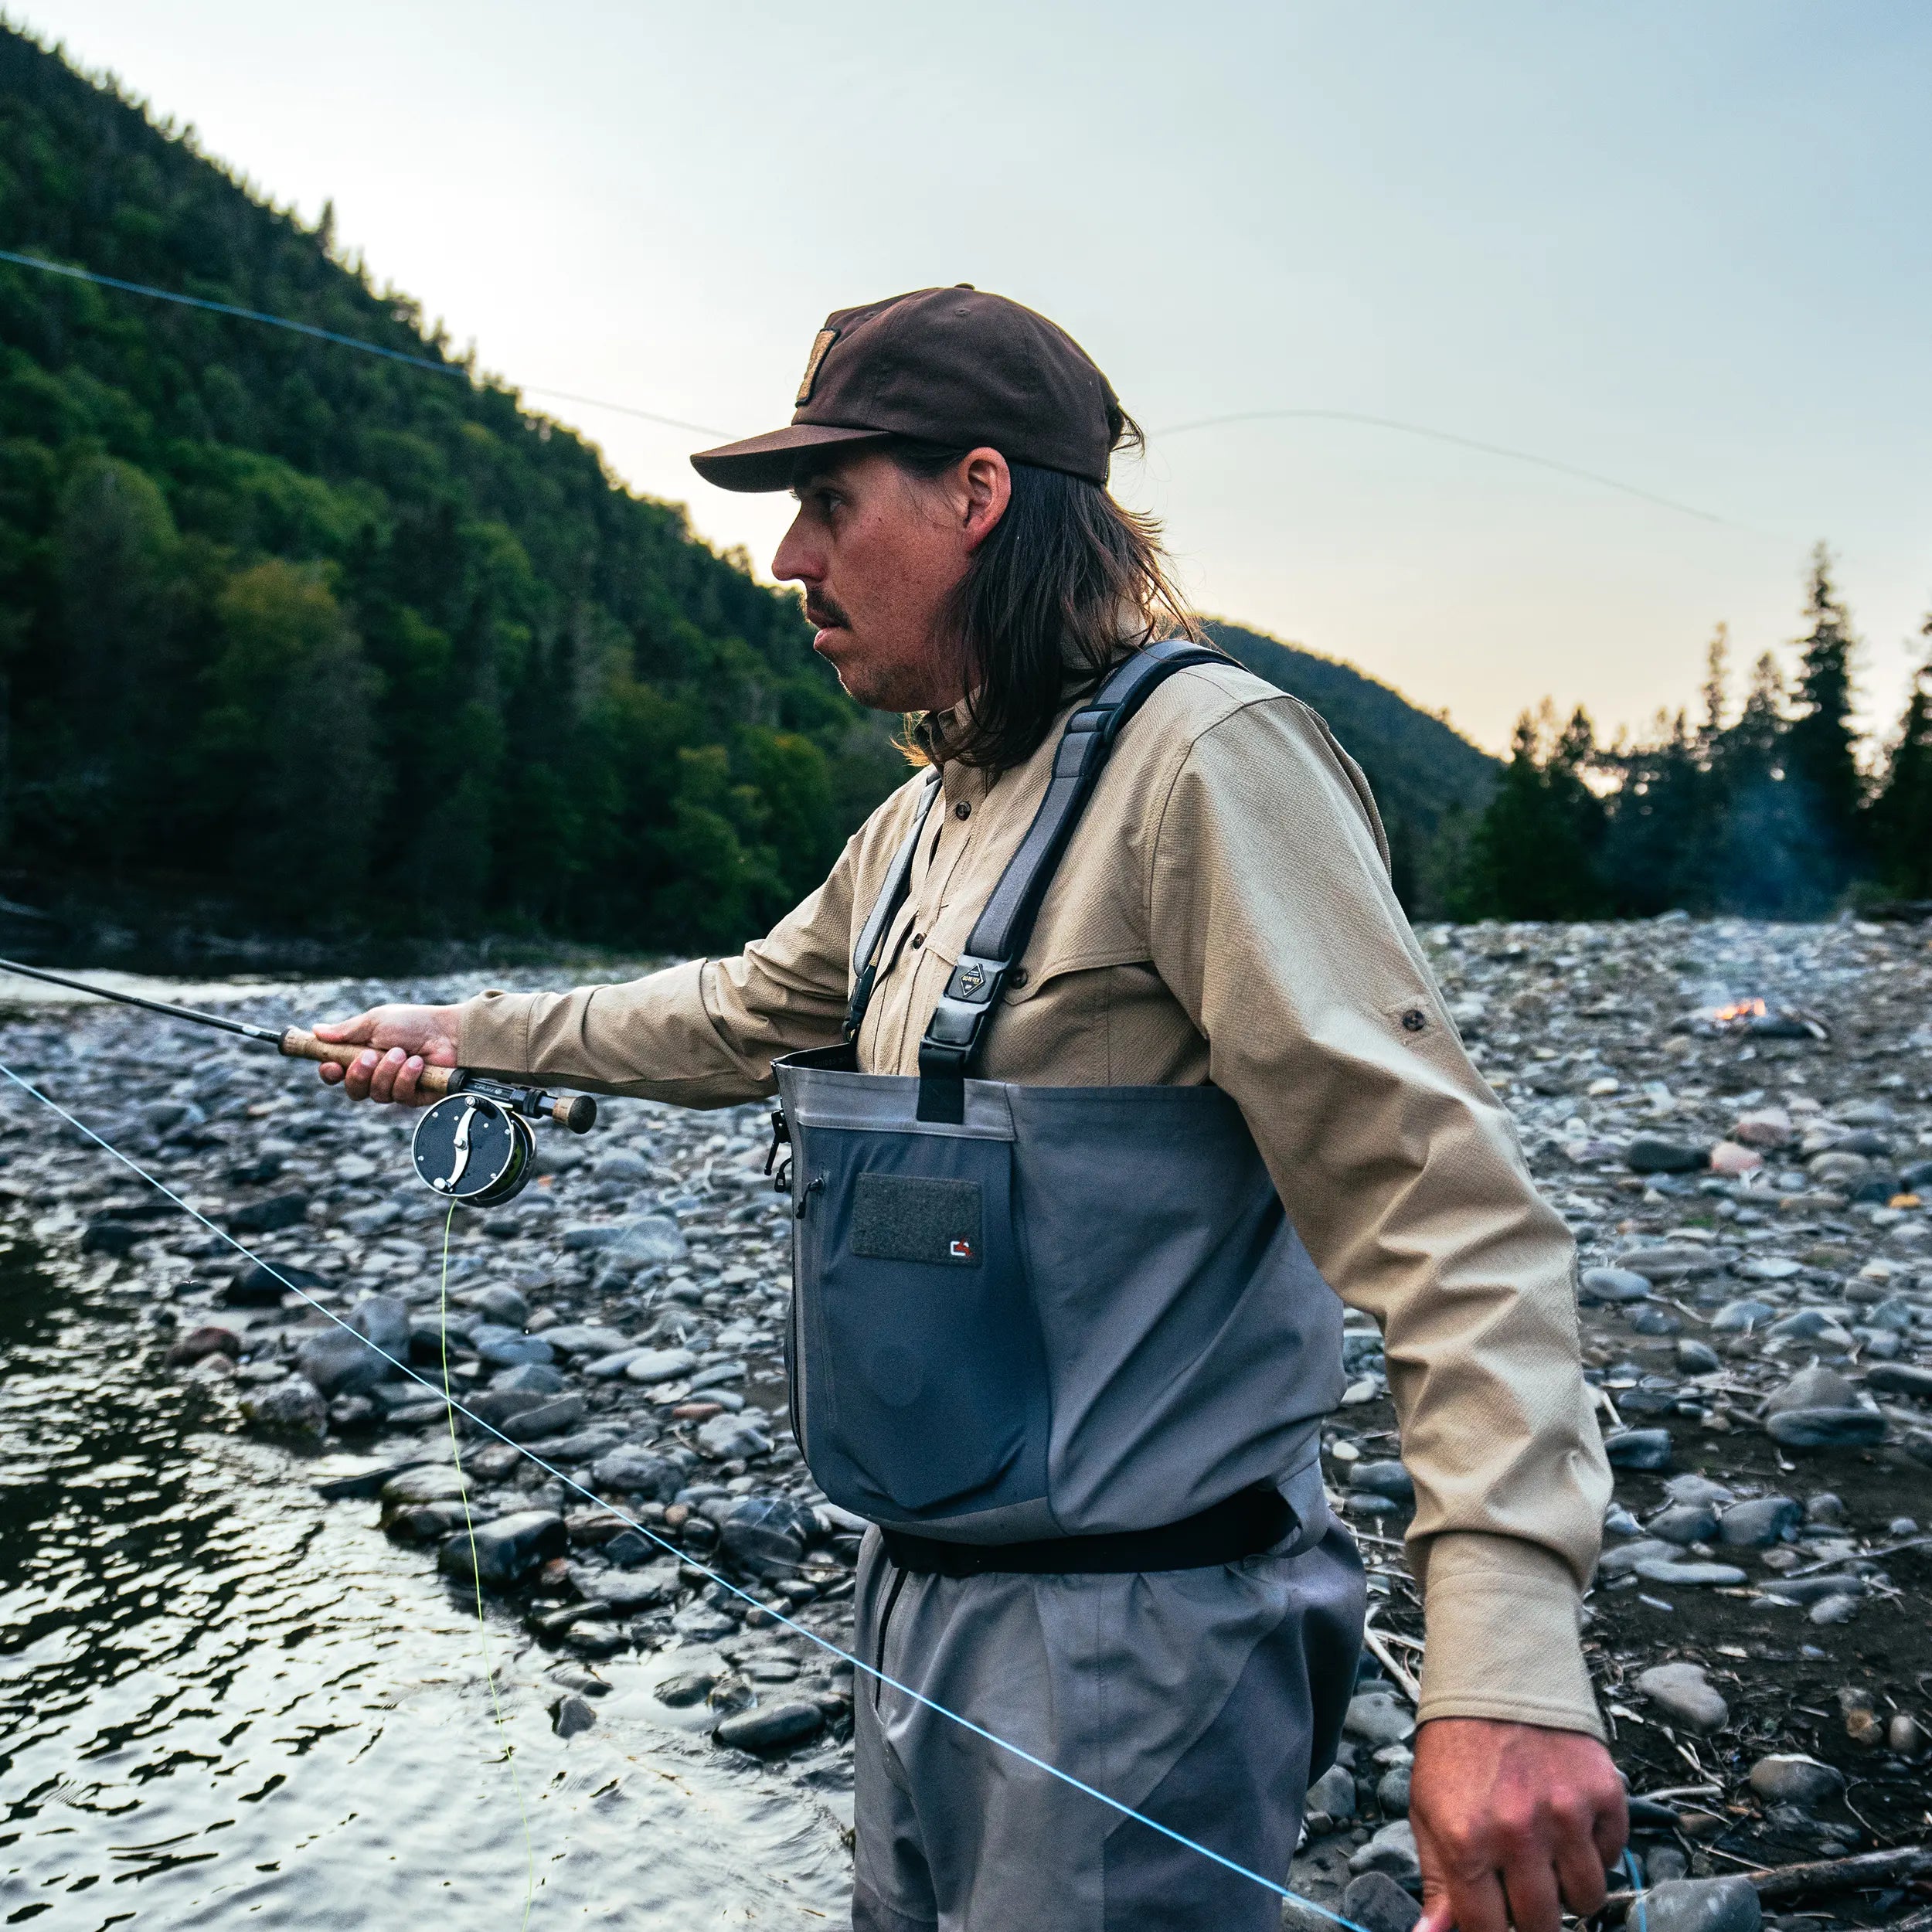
(951, 1044)
(865, 959)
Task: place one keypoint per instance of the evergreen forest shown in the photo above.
(1768, 808)
(318, 636)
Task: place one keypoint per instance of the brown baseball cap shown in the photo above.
(945, 365)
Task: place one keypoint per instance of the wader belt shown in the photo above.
(951, 1048)
(1242, 1526)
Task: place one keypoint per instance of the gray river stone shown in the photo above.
(1378, 1903)
(1901, 1378)
(1393, 1851)
(641, 1241)
(1671, 1261)
(1792, 1778)
(1601, 1285)
(1816, 1387)
(660, 1365)
(1827, 1428)
(1693, 1576)
(1759, 1523)
(1682, 1691)
(1813, 1590)
(1683, 1522)
(340, 1363)
(1740, 1316)
(1638, 1448)
(1692, 1487)
(291, 1408)
(505, 1348)
(1702, 1905)
(552, 1418)
(625, 1591)
(1696, 1358)
(636, 1472)
(1386, 1478)
(573, 1338)
(769, 1728)
(383, 1319)
(426, 1482)
(1378, 1717)
(1331, 1800)
(537, 1378)
(766, 1534)
(1651, 1154)
(728, 1436)
(265, 1217)
(1624, 1559)
(506, 1550)
(500, 1302)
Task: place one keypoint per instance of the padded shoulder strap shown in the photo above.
(892, 895)
(951, 1044)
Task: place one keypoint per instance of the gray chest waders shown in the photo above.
(1022, 1314)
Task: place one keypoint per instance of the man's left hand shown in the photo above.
(1514, 1823)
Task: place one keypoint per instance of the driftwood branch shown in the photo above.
(1829, 1875)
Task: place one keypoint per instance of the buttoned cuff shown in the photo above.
(494, 1032)
(1503, 1619)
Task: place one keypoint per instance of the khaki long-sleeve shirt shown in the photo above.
(1222, 913)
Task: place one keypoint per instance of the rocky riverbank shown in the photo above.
(1735, 1121)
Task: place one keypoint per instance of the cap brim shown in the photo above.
(771, 461)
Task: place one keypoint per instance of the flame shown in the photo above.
(1743, 1009)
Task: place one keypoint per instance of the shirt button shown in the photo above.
(919, 939)
(1414, 1020)
(962, 810)
(1017, 978)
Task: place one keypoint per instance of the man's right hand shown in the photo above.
(401, 1041)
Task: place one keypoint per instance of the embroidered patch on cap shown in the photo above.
(820, 343)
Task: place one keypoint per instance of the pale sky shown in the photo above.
(1684, 247)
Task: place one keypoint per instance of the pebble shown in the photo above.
(1703, 1905)
(1792, 1778)
(1392, 1850)
(1378, 1902)
(1682, 1691)
(1598, 1286)
(1826, 1428)
(1638, 1448)
(768, 1728)
(1761, 1522)
(506, 1550)
(1379, 1717)
(572, 1715)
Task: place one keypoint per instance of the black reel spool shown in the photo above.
(470, 1147)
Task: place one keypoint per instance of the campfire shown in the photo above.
(1754, 1018)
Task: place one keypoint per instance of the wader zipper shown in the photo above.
(884, 1625)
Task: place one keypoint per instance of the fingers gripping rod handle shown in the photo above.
(576, 1111)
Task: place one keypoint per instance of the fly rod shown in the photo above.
(473, 1144)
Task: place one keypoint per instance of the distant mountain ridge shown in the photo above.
(1423, 771)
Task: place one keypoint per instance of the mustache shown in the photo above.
(826, 613)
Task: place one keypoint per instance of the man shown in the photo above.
(1219, 930)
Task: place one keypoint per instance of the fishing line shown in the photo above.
(674, 1549)
(436, 367)
(705, 428)
(476, 1566)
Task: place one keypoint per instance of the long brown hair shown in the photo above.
(1068, 580)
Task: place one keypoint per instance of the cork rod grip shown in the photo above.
(299, 1046)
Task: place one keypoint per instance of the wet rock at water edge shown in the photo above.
(551, 1418)
(728, 1436)
(1682, 1691)
(1702, 1905)
(258, 1286)
(340, 1362)
(290, 1408)
(506, 1550)
(198, 1343)
(571, 1715)
(769, 1728)
(635, 1471)
(111, 1237)
(1377, 1904)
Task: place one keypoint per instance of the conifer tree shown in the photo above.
(1902, 812)
(1534, 854)
(1820, 758)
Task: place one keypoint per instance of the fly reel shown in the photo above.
(476, 1144)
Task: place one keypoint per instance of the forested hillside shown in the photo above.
(1430, 781)
(344, 641)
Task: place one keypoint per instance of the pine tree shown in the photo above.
(1902, 812)
(1534, 854)
(1821, 761)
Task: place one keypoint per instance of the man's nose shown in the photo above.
(797, 560)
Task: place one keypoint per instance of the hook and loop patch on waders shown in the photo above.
(1024, 1313)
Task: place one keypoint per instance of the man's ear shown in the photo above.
(985, 488)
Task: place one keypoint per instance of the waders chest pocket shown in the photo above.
(923, 1384)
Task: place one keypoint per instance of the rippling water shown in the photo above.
(224, 1701)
